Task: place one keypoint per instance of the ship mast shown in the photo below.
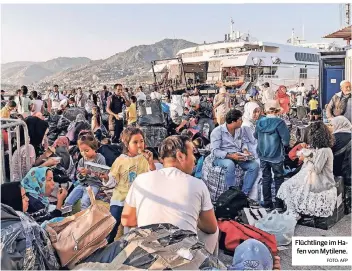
(231, 29)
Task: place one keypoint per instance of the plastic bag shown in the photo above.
(24, 244)
(280, 225)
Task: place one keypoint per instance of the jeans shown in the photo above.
(116, 212)
(201, 123)
(251, 169)
(278, 170)
(80, 192)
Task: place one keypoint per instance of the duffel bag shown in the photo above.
(233, 234)
(78, 236)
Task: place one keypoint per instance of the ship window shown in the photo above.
(306, 57)
(303, 73)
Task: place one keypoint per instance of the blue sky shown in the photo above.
(42, 32)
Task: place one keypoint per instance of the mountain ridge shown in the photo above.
(131, 64)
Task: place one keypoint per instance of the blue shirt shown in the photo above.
(223, 143)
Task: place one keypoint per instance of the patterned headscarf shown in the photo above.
(34, 184)
(341, 124)
(61, 141)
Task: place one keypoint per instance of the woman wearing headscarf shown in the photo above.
(251, 114)
(75, 127)
(221, 105)
(19, 164)
(61, 146)
(283, 99)
(39, 184)
(37, 129)
(25, 244)
(342, 129)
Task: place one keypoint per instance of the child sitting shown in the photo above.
(88, 146)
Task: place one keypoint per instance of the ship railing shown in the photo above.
(12, 129)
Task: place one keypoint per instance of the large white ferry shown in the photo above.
(241, 61)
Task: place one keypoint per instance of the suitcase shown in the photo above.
(326, 223)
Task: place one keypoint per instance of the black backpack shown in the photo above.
(230, 203)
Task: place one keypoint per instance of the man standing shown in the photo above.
(140, 94)
(80, 98)
(56, 97)
(267, 93)
(173, 194)
(103, 97)
(340, 103)
(222, 105)
(229, 148)
(114, 107)
(24, 103)
(302, 89)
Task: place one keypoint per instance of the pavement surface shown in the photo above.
(341, 228)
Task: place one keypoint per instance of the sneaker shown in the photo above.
(269, 208)
(253, 204)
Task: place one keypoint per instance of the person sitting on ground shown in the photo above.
(109, 151)
(342, 130)
(39, 184)
(28, 245)
(80, 124)
(61, 149)
(134, 161)
(19, 164)
(273, 136)
(173, 194)
(6, 111)
(229, 148)
(312, 190)
(86, 175)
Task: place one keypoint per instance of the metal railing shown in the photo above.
(12, 127)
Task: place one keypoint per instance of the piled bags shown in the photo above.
(151, 119)
(150, 112)
(154, 247)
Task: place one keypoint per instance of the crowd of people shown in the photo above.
(71, 133)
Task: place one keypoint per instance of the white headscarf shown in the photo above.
(248, 112)
(341, 125)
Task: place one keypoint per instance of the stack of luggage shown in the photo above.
(151, 120)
